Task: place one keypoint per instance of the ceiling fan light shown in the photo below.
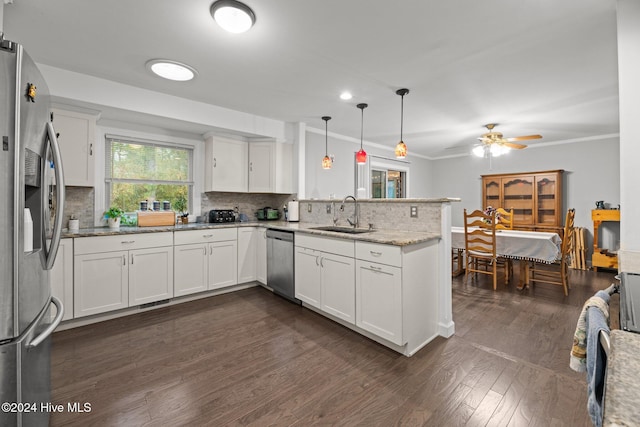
(361, 157)
(233, 16)
(401, 150)
(478, 151)
(498, 150)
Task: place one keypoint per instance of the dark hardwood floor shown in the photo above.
(252, 358)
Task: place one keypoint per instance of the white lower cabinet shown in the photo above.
(114, 272)
(307, 276)
(205, 259)
(150, 275)
(247, 258)
(338, 286)
(62, 278)
(223, 264)
(326, 280)
(261, 255)
(101, 283)
(379, 300)
(191, 268)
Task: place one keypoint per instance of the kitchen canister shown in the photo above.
(156, 205)
(293, 211)
(144, 205)
(166, 205)
(74, 225)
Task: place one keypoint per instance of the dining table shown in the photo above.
(523, 246)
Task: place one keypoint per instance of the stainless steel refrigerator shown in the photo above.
(31, 185)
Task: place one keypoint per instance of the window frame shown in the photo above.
(109, 180)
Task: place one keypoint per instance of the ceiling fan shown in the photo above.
(493, 143)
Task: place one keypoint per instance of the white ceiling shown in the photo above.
(540, 66)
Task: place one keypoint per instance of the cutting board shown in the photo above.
(156, 218)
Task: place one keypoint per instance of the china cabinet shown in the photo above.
(535, 197)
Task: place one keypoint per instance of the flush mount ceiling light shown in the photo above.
(326, 162)
(361, 156)
(345, 96)
(401, 148)
(171, 70)
(233, 16)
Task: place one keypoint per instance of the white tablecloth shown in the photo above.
(528, 245)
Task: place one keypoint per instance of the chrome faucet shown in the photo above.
(356, 212)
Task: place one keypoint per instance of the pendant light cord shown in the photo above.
(401, 115)
(361, 126)
(326, 137)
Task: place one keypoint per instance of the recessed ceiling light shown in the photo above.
(346, 96)
(171, 70)
(233, 16)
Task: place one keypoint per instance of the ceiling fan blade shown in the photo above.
(513, 145)
(522, 138)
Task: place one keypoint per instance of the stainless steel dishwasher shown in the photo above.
(280, 263)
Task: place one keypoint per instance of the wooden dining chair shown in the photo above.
(557, 273)
(505, 219)
(480, 246)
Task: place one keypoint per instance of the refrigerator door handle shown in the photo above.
(57, 227)
(54, 324)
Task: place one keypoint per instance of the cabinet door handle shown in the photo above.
(374, 268)
(215, 162)
(206, 236)
(250, 166)
(91, 149)
(127, 242)
(131, 258)
(210, 250)
(124, 260)
(375, 253)
(204, 251)
(321, 262)
(317, 260)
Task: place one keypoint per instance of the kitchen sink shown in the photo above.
(348, 230)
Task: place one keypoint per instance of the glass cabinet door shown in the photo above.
(547, 204)
(491, 193)
(518, 195)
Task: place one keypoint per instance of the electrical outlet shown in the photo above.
(309, 207)
(328, 209)
(414, 211)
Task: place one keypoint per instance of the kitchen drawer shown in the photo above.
(121, 242)
(383, 254)
(206, 235)
(330, 245)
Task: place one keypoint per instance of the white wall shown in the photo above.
(629, 81)
(340, 179)
(591, 173)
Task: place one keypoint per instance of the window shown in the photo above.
(139, 170)
(387, 184)
(382, 178)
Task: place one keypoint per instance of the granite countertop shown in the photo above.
(622, 388)
(384, 236)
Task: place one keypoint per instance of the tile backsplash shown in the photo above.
(80, 202)
(247, 203)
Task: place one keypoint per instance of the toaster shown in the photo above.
(221, 215)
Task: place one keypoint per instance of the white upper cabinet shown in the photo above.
(270, 167)
(225, 164)
(77, 145)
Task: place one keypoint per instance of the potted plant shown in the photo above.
(113, 217)
(181, 206)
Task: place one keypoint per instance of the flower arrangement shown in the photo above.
(489, 210)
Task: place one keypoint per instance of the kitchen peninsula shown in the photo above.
(397, 289)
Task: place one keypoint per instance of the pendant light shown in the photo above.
(401, 148)
(361, 156)
(326, 162)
